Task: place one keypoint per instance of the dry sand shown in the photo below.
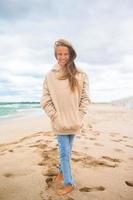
(102, 157)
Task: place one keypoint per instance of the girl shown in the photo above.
(65, 100)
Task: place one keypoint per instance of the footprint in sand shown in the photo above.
(76, 159)
(125, 136)
(34, 145)
(41, 146)
(86, 148)
(91, 189)
(119, 150)
(49, 181)
(1, 154)
(129, 183)
(92, 138)
(96, 133)
(130, 146)
(48, 141)
(97, 162)
(8, 175)
(89, 161)
(51, 171)
(11, 150)
(113, 134)
(98, 144)
(45, 158)
(118, 140)
(51, 174)
(49, 158)
(39, 141)
(111, 159)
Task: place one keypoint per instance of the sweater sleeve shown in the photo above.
(85, 99)
(46, 101)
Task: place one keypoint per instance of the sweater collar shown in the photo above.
(57, 67)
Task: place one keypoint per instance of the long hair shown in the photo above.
(69, 70)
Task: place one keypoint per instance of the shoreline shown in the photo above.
(24, 113)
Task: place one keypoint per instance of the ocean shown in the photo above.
(18, 109)
(25, 109)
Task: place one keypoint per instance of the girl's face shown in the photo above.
(62, 55)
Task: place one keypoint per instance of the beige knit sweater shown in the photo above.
(65, 108)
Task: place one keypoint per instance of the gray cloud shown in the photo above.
(101, 32)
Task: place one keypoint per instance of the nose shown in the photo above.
(63, 57)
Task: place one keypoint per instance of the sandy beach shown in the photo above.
(102, 157)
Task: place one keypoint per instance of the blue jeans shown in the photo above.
(65, 143)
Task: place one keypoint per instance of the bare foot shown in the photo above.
(66, 189)
(59, 178)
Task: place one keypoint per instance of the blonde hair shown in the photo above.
(70, 70)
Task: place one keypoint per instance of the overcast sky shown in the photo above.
(100, 30)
